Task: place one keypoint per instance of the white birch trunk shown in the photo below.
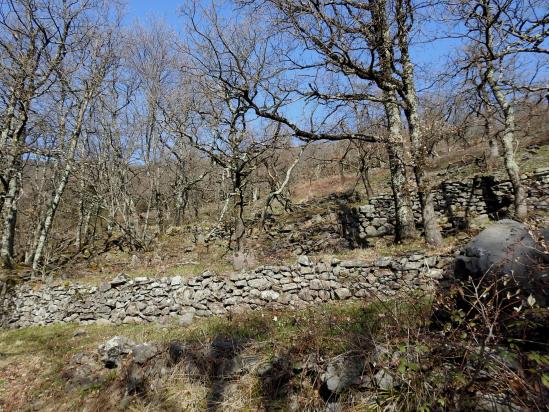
(405, 227)
(56, 198)
(508, 144)
(9, 220)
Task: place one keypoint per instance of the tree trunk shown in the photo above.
(180, 205)
(493, 153)
(38, 217)
(508, 138)
(54, 204)
(239, 229)
(81, 217)
(13, 134)
(508, 143)
(50, 214)
(405, 227)
(9, 220)
(64, 178)
(493, 149)
(9, 117)
(431, 228)
(365, 176)
(29, 254)
(85, 229)
(426, 196)
(276, 191)
(513, 170)
(6, 132)
(160, 217)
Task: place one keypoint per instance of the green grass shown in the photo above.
(329, 328)
(326, 331)
(537, 160)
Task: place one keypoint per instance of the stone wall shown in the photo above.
(125, 300)
(458, 203)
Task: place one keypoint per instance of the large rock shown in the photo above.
(507, 248)
(341, 374)
(142, 353)
(269, 295)
(119, 279)
(304, 261)
(490, 403)
(260, 283)
(187, 317)
(342, 293)
(384, 380)
(114, 350)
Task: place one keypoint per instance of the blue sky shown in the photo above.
(143, 9)
(429, 56)
(425, 54)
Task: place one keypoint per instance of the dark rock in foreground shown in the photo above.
(507, 248)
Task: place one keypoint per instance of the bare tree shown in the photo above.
(80, 80)
(278, 185)
(365, 44)
(35, 38)
(151, 58)
(404, 18)
(500, 32)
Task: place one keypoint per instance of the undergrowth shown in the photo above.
(459, 350)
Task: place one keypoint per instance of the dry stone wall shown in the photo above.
(481, 198)
(125, 300)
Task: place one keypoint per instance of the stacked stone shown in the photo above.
(377, 218)
(125, 300)
(319, 232)
(455, 201)
(538, 189)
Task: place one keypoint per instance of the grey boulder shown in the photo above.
(384, 380)
(507, 248)
(143, 352)
(119, 279)
(341, 374)
(114, 350)
(187, 317)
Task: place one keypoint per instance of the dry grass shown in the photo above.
(384, 246)
(20, 379)
(460, 162)
(323, 187)
(319, 188)
(33, 358)
(173, 256)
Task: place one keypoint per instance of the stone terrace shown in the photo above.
(125, 300)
